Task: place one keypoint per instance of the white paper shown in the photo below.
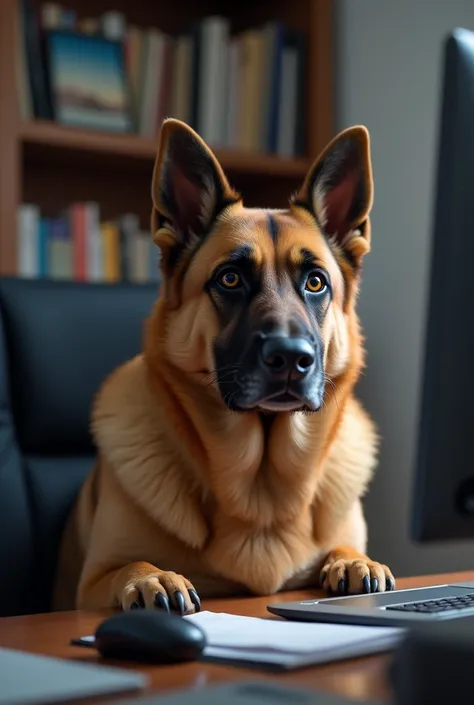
(287, 644)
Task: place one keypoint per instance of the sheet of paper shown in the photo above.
(233, 631)
(284, 644)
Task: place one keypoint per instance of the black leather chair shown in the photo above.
(58, 341)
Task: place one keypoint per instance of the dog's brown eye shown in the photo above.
(229, 279)
(315, 283)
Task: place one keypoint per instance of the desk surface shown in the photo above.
(363, 678)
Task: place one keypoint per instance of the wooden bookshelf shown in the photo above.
(56, 142)
(45, 163)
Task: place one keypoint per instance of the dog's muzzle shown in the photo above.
(282, 373)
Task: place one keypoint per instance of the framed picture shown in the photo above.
(88, 81)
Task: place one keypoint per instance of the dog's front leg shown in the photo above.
(138, 585)
(346, 571)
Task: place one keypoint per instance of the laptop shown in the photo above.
(443, 504)
(400, 608)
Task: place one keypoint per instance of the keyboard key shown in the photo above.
(431, 606)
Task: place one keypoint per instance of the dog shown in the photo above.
(232, 453)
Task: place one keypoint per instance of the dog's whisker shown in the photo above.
(235, 367)
(332, 392)
(222, 378)
(226, 374)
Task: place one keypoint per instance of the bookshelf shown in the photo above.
(53, 165)
(56, 142)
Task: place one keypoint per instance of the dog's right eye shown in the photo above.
(229, 279)
(315, 283)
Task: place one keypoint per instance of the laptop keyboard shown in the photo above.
(464, 602)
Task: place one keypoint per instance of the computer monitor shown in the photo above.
(443, 503)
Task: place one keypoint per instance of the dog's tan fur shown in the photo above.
(186, 493)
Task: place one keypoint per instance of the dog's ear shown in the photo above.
(189, 186)
(338, 190)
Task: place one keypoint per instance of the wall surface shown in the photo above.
(388, 78)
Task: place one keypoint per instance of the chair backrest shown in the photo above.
(58, 341)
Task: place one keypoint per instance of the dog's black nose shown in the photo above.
(287, 356)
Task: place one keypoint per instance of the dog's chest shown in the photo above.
(263, 560)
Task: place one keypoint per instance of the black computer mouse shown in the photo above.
(149, 637)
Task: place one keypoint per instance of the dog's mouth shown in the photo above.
(280, 402)
(285, 401)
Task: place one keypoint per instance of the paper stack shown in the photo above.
(282, 644)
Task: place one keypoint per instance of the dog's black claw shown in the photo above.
(195, 600)
(180, 601)
(390, 584)
(374, 584)
(366, 584)
(322, 578)
(162, 602)
(342, 586)
(135, 606)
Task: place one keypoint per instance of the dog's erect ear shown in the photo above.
(189, 185)
(338, 190)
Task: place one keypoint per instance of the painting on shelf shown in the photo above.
(88, 82)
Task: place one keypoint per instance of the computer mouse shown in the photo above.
(146, 636)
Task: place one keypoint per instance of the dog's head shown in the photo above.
(258, 303)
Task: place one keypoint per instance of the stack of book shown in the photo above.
(243, 90)
(79, 245)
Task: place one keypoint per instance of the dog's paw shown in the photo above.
(356, 575)
(166, 591)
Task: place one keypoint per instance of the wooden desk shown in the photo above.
(358, 678)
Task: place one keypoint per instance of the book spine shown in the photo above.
(129, 225)
(298, 40)
(232, 92)
(79, 240)
(43, 247)
(150, 92)
(165, 81)
(94, 251)
(133, 56)
(65, 248)
(54, 250)
(110, 238)
(251, 80)
(288, 105)
(28, 217)
(274, 77)
(25, 101)
(180, 102)
(35, 60)
(196, 34)
(212, 80)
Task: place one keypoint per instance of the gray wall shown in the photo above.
(388, 78)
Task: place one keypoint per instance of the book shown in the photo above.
(213, 79)
(28, 218)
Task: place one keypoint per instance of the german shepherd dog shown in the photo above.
(232, 452)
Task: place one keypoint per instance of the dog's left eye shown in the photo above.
(229, 279)
(315, 283)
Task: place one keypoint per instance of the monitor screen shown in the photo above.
(443, 504)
